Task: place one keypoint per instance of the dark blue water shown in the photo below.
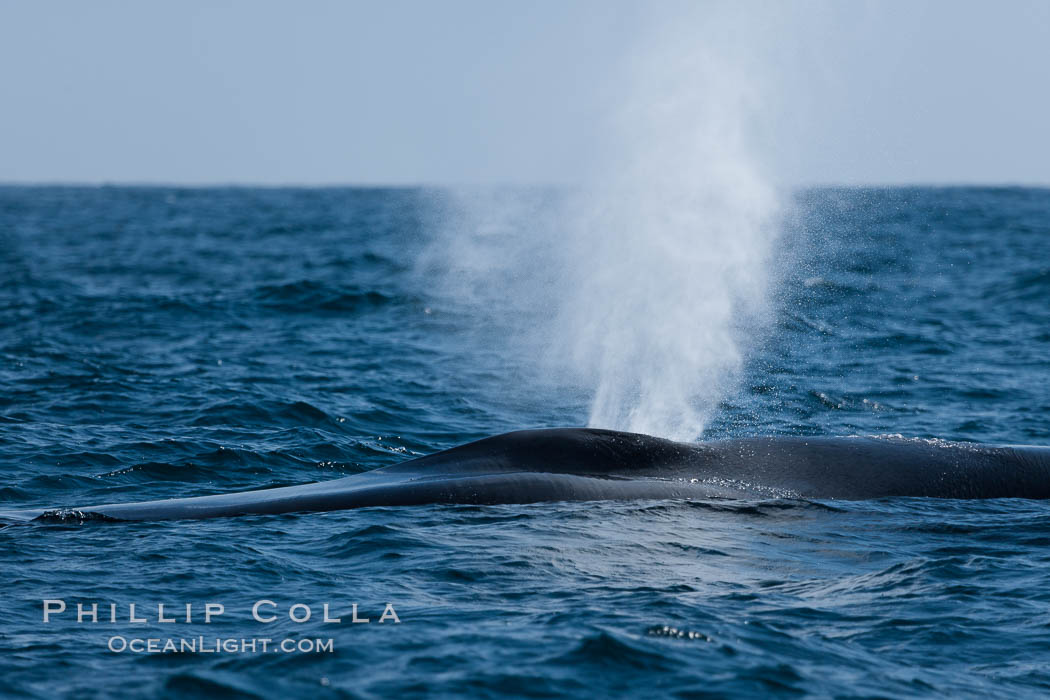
(169, 342)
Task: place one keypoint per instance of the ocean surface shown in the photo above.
(163, 342)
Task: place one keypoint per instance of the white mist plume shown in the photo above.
(644, 284)
(673, 246)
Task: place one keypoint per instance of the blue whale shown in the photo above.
(583, 464)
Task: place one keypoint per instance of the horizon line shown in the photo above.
(394, 185)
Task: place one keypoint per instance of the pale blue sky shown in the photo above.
(468, 92)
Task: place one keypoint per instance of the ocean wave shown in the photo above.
(311, 296)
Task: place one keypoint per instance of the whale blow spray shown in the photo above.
(643, 286)
(678, 238)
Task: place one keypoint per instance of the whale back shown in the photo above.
(582, 464)
(814, 467)
(582, 451)
(885, 467)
